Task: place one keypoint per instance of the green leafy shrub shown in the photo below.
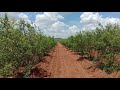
(104, 39)
(21, 44)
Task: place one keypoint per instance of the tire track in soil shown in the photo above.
(64, 64)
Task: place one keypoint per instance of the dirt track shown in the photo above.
(63, 63)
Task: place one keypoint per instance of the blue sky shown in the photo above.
(65, 24)
(73, 16)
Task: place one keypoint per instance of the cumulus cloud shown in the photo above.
(107, 20)
(24, 16)
(47, 18)
(16, 15)
(73, 29)
(89, 17)
(58, 27)
(89, 26)
(50, 24)
(11, 15)
(90, 20)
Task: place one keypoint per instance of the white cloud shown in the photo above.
(11, 15)
(24, 16)
(73, 29)
(89, 26)
(58, 27)
(16, 15)
(50, 24)
(47, 18)
(110, 20)
(90, 17)
(59, 35)
(90, 20)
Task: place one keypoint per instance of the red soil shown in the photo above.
(62, 63)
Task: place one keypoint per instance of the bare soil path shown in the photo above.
(62, 63)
